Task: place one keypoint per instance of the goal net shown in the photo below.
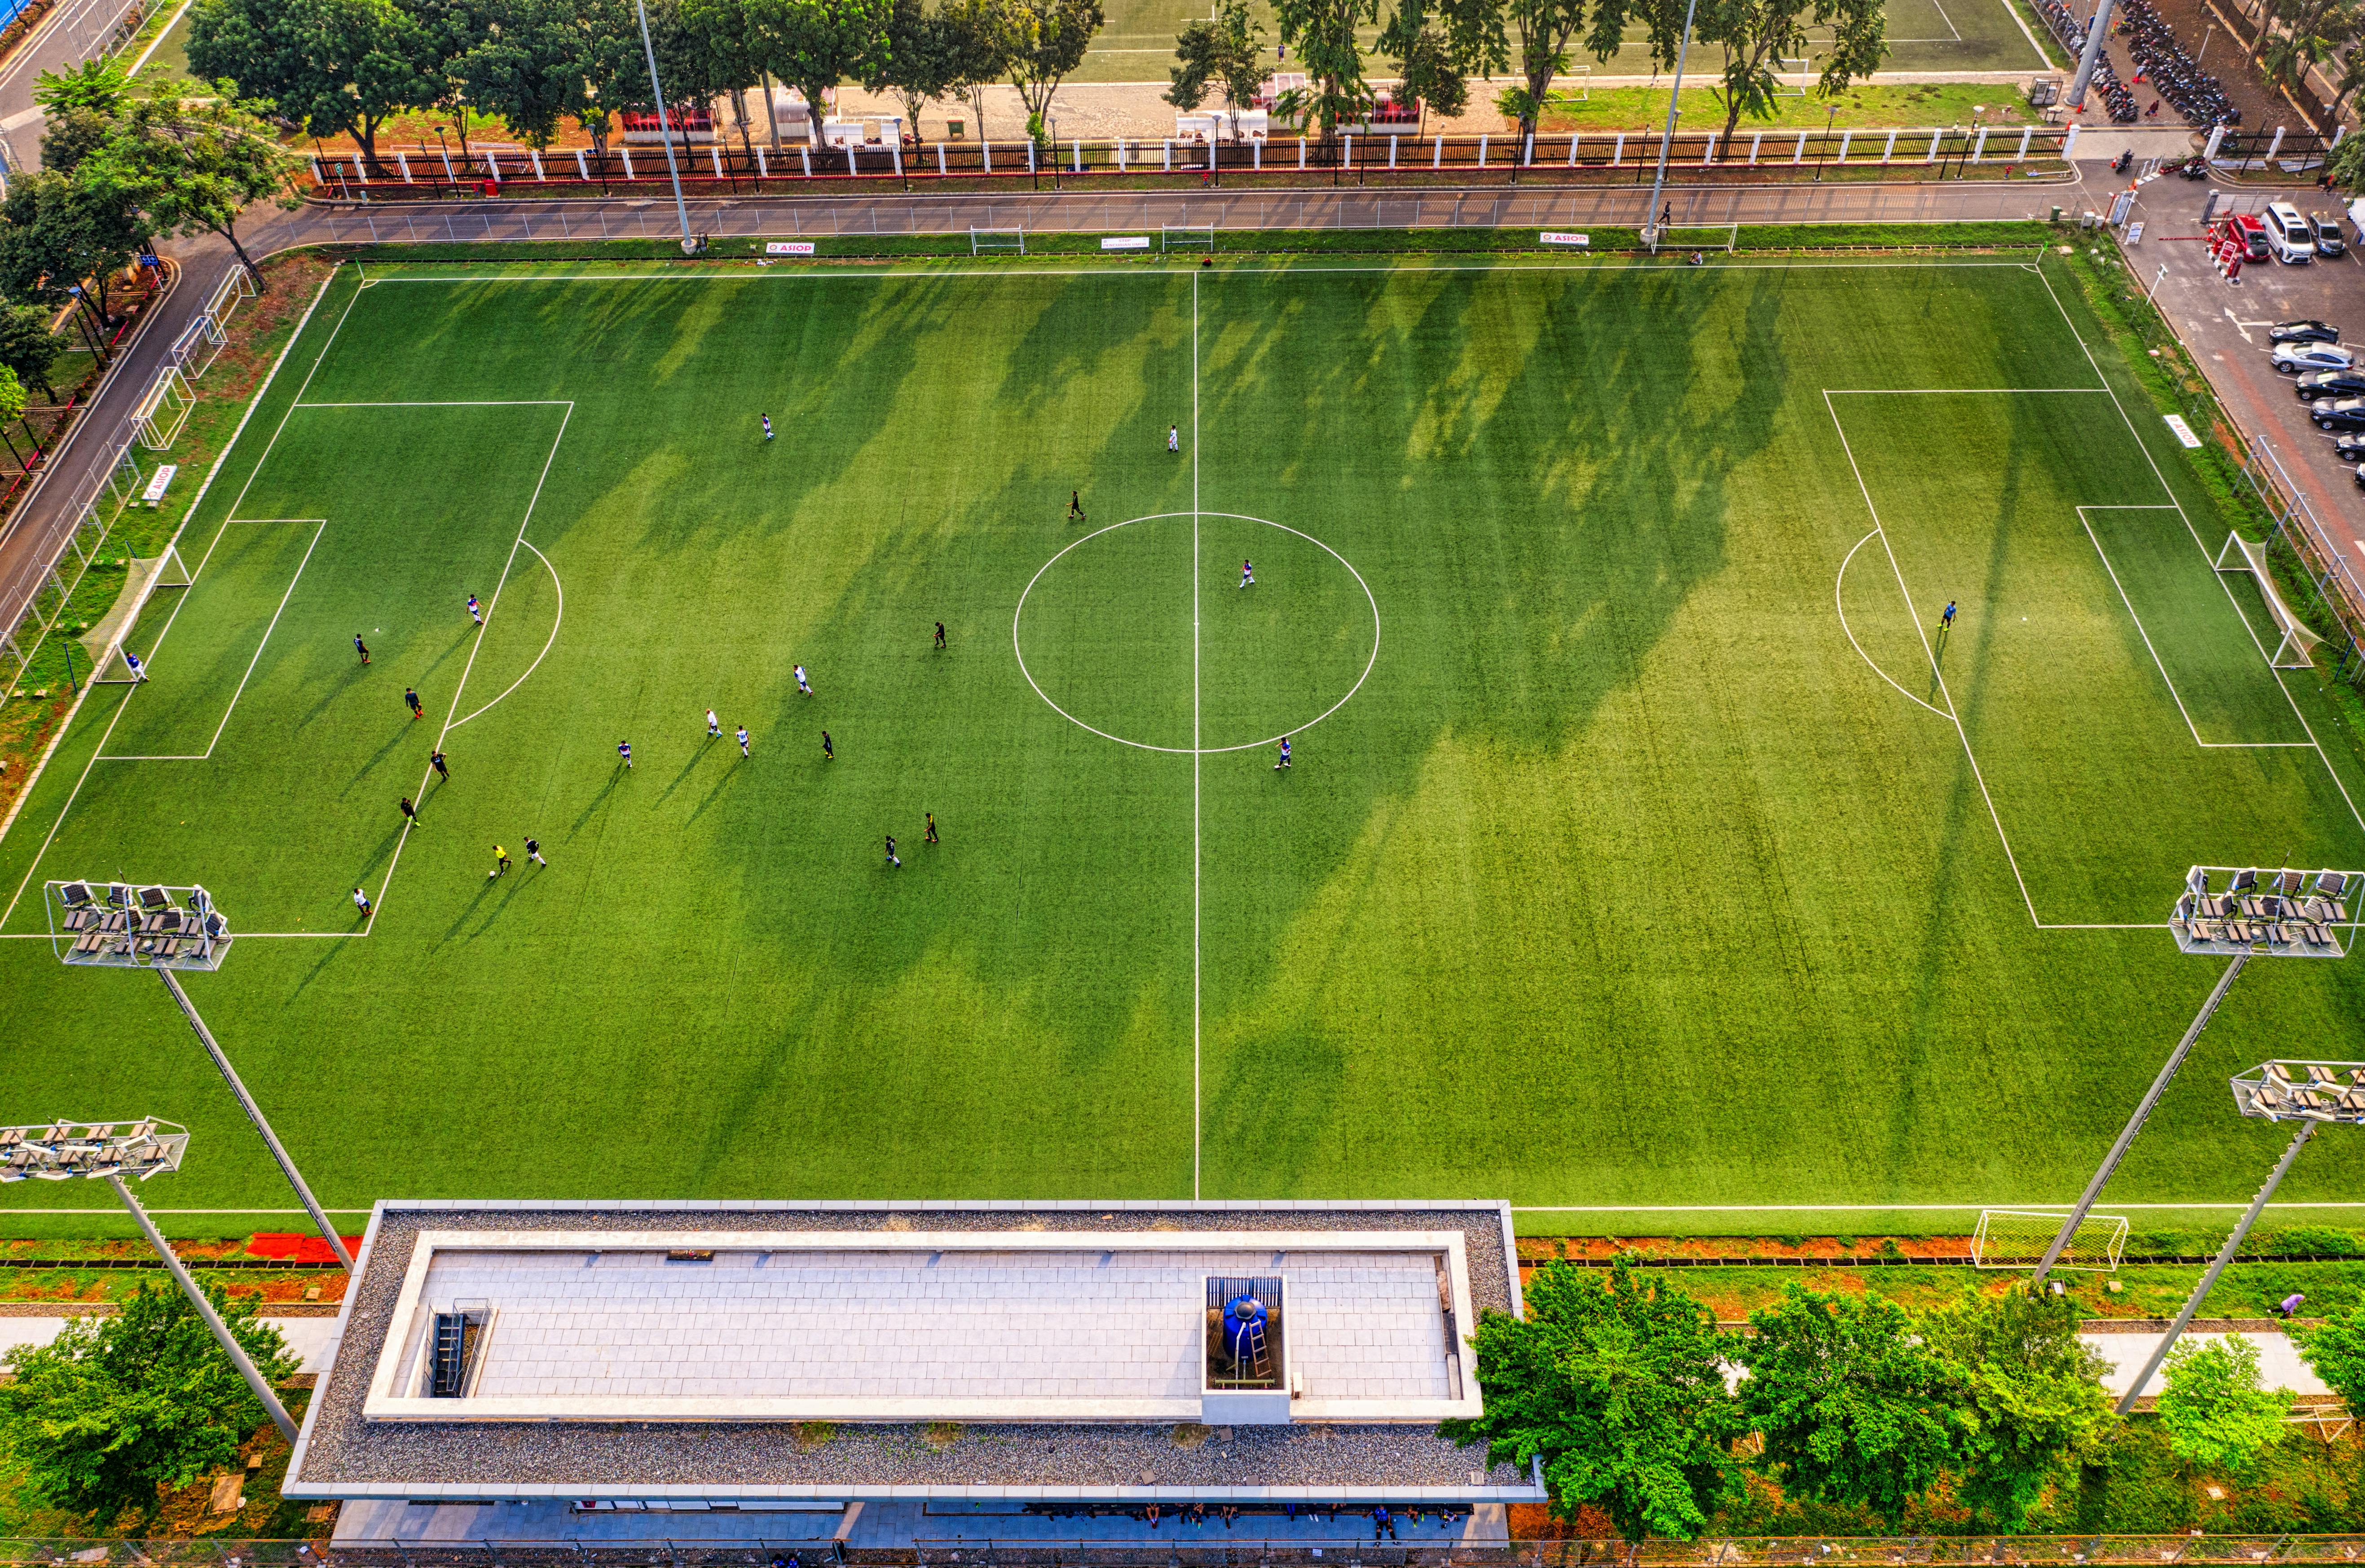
(1699, 236)
(982, 240)
(1187, 237)
(1792, 75)
(163, 409)
(2016, 1239)
(105, 641)
(2294, 648)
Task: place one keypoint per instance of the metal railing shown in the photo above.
(35, 599)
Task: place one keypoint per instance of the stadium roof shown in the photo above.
(771, 1351)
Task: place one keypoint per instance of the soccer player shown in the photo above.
(435, 760)
(1075, 506)
(890, 853)
(930, 835)
(1173, 438)
(713, 726)
(802, 684)
(473, 613)
(1946, 622)
(624, 750)
(360, 647)
(1284, 755)
(409, 812)
(1248, 575)
(533, 853)
(500, 862)
(410, 695)
(768, 427)
(828, 752)
(360, 903)
(742, 739)
(131, 662)
(940, 633)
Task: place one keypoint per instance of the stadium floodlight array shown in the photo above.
(2302, 1091)
(126, 925)
(108, 1151)
(2308, 1092)
(2227, 910)
(64, 1151)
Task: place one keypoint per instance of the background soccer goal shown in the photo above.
(984, 240)
(1187, 237)
(1699, 236)
(143, 579)
(2016, 1239)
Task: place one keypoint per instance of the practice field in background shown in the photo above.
(1654, 846)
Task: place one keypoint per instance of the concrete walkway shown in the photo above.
(308, 1337)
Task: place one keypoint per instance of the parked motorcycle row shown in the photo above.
(2160, 59)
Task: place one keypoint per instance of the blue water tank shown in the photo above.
(1241, 1314)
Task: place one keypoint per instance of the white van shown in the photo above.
(2289, 235)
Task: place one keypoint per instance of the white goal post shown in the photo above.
(1187, 237)
(111, 659)
(981, 241)
(1699, 236)
(1802, 66)
(2294, 650)
(163, 409)
(2017, 1238)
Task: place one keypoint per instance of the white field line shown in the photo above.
(1732, 1208)
(1198, 759)
(319, 360)
(73, 712)
(2206, 745)
(1935, 673)
(556, 620)
(2197, 543)
(377, 905)
(858, 273)
(1839, 604)
(162, 34)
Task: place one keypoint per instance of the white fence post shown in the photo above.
(940, 158)
(1618, 154)
(1845, 136)
(1936, 137)
(1435, 154)
(2025, 132)
(1572, 152)
(987, 148)
(1979, 145)
(1528, 154)
(1482, 150)
(402, 161)
(2070, 142)
(582, 168)
(1708, 149)
(628, 164)
(2276, 145)
(1754, 140)
(763, 165)
(1301, 153)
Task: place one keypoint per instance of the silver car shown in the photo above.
(2292, 358)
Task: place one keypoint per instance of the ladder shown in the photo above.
(450, 1364)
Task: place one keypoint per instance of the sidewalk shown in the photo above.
(309, 1338)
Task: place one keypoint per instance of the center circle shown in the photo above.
(1144, 633)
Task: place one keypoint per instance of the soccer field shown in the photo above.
(1647, 845)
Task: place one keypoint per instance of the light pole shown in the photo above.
(122, 925)
(2287, 914)
(63, 1151)
(2308, 1092)
(1650, 224)
(665, 130)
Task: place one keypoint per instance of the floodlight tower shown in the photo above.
(2271, 913)
(2308, 1092)
(63, 1151)
(122, 926)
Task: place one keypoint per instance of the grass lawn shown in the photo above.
(1930, 103)
(1654, 849)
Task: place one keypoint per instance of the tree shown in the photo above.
(2334, 1351)
(98, 85)
(1428, 74)
(116, 1408)
(1852, 1409)
(921, 58)
(733, 61)
(2313, 31)
(12, 396)
(1323, 33)
(812, 45)
(2029, 1394)
(1478, 39)
(187, 165)
(61, 231)
(2216, 1414)
(444, 32)
(1756, 35)
(1226, 50)
(974, 35)
(1619, 1390)
(1042, 41)
(28, 347)
(333, 67)
(539, 61)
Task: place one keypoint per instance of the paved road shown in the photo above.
(72, 31)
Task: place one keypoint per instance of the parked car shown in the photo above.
(2291, 358)
(2315, 384)
(2252, 230)
(2290, 236)
(2360, 476)
(2338, 414)
(2329, 241)
(2303, 332)
(2348, 448)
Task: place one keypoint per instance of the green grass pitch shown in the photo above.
(1655, 849)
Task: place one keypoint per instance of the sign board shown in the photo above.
(1548, 237)
(1125, 242)
(156, 486)
(2134, 232)
(2183, 431)
(788, 247)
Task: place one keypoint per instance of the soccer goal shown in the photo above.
(105, 641)
(1187, 237)
(1801, 68)
(163, 409)
(2296, 650)
(982, 240)
(2016, 1239)
(1699, 236)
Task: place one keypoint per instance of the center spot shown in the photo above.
(1105, 633)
